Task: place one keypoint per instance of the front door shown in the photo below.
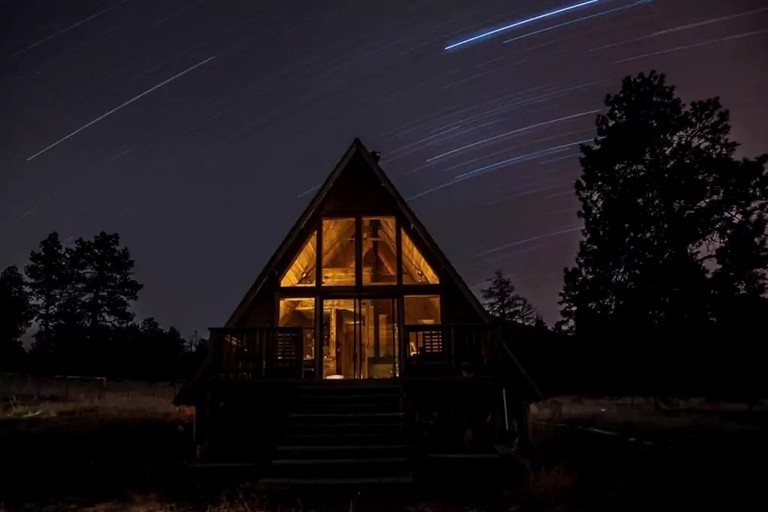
(360, 338)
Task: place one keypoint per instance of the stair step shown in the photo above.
(341, 451)
(334, 462)
(343, 432)
(344, 421)
(337, 439)
(406, 478)
(358, 397)
(349, 388)
(349, 407)
(349, 447)
(313, 466)
(347, 414)
(346, 428)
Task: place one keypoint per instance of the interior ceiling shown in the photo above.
(340, 255)
(386, 250)
(302, 265)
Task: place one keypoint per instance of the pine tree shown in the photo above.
(80, 295)
(504, 304)
(15, 318)
(660, 192)
(104, 277)
(48, 277)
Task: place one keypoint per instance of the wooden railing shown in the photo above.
(278, 352)
(451, 349)
(258, 353)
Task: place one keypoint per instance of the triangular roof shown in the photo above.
(356, 149)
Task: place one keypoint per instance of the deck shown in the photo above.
(277, 353)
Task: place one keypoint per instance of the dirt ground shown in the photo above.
(586, 455)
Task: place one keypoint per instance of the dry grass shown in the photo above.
(259, 503)
(51, 409)
(642, 415)
(152, 504)
(60, 398)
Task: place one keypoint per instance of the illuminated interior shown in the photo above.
(359, 338)
(379, 250)
(359, 335)
(300, 313)
(378, 258)
(416, 270)
(422, 310)
(301, 272)
(338, 258)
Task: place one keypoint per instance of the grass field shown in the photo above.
(598, 454)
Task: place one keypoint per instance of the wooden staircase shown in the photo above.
(344, 433)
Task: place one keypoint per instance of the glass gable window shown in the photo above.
(302, 269)
(338, 252)
(300, 313)
(379, 250)
(415, 270)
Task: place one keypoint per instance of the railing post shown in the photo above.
(263, 349)
(298, 347)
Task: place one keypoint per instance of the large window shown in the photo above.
(302, 270)
(338, 252)
(416, 270)
(339, 256)
(300, 313)
(379, 338)
(379, 250)
(421, 312)
(360, 338)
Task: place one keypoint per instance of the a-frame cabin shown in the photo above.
(358, 318)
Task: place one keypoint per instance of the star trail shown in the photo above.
(183, 125)
(486, 35)
(122, 105)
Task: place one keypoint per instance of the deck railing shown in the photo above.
(451, 348)
(258, 353)
(278, 352)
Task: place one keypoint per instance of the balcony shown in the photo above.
(286, 352)
(258, 353)
(451, 349)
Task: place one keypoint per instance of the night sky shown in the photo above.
(198, 130)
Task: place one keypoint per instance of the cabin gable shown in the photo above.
(321, 253)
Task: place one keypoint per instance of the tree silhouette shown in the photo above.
(504, 304)
(104, 276)
(739, 282)
(48, 277)
(668, 213)
(15, 318)
(525, 313)
(80, 294)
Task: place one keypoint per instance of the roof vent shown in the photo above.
(376, 155)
